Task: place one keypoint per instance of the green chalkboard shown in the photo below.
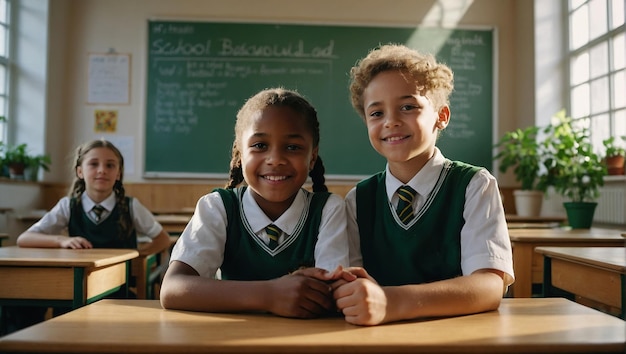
(200, 73)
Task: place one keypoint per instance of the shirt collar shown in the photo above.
(423, 182)
(286, 222)
(88, 204)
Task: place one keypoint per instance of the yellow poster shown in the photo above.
(106, 121)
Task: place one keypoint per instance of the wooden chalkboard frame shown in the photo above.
(202, 150)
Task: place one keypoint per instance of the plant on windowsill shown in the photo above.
(17, 159)
(614, 156)
(520, 150)
(35, 163)
(573, 168)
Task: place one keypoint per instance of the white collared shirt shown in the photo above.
(57, 219)
(485, 239)
(202, 243)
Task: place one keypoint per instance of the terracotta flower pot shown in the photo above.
(615, 165)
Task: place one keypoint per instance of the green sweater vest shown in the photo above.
(430, 249)
(247, 258)
(105, 234)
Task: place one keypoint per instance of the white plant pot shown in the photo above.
(528, 203)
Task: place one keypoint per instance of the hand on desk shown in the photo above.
(75, 242)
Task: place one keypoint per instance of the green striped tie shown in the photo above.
(273, 232)
(405, 205)
(98, 210)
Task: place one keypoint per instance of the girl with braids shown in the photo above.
(266, 236)
(97, 213)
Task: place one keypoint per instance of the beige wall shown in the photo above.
(79, 27)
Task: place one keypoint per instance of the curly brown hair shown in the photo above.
(434, 80)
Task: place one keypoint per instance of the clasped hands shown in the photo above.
(312, 292)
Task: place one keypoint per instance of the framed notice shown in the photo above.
(108, 78)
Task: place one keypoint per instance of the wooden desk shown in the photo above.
(528, 265)
(181, 211)
(532, 225)
(173, 224)
(55, 277)
(550, 325)
(597, 275)
(148, 271)
(540, 218)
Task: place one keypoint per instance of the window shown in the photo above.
(596, 54)
(4, 65)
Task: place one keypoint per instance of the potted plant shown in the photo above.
(573, 169)
(16, 159)
(520, 150)
(35, 163)
(614, 156)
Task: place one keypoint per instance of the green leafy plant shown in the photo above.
(612, 149)
(16, 158)
(16, 154)
(573, 168)
(40, 161)
(520, 150)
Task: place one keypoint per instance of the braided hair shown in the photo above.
(277, 97)
(78, 185)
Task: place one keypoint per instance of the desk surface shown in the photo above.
(540, 218)
(612, 258)
(564, 234)
(549, 325)
(54, 257)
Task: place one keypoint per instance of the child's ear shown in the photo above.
(79, 172)
(443, 117)
(313, 158)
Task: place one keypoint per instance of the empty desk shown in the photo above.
(528, 265)
(597, 275)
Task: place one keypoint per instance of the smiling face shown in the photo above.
(277, 154)
(100, 168)
(401, 123)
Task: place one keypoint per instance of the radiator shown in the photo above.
(611, 207)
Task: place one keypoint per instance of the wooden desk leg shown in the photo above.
(623, 279)
(547, 277)
(522, 263)
(140, 277)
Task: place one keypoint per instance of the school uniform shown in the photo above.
(80, 219)
(458, 225)
(228, 232)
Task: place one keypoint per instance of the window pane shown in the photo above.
(600, 95)
(620, 122)
(619, 90)
(580, 68)
(599, 57)
(3, 11)
(598, 17)
(580, 101)
(618, 13)
(619, 51)
(3, 44)
(3, 72)
(600, 129)
(579, 28)
(575, 3)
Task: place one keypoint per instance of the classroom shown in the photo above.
(512, 72)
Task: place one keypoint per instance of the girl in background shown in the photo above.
(97, 213)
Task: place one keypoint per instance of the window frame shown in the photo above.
(591, 119)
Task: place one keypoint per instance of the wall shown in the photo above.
(83, 26)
